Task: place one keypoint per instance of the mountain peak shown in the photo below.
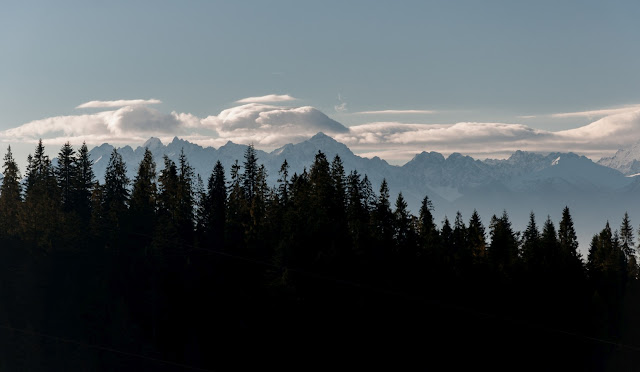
(320, 136)
(153, 142)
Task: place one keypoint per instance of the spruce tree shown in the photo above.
(41, 208)
(143, 201)
(216, 210)
(10, 196)
(166, 236)
(339, 185)
(626, 237)
(200, 209)
(115, 198)
(476, 237)
(446, 243)
(628, 247)
(567, 237)
(427, 230)
(283, 180)
(237, 210)
(383, 221)
(462, 254)
(550, 247)
(250, 174)
(84, 182)
(65, 173)
(357, 214)
(531, 250)
(404, 232)
(503, 251)
(185, 199)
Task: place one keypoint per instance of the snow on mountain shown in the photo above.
(526, 181)
(444, 179)
(571, 172)
(626, 160)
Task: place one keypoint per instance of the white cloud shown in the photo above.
(270, 126)
(396, 141)
(597, 113)
(119, 103)
(341, 107)
(269, 98)
(261, 124)
(124, 125)
(396, 112)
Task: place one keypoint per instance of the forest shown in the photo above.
(170, 271)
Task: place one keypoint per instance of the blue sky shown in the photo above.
(449, 62)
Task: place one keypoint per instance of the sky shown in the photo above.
(387, 78)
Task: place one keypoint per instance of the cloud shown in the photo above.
(269, 126)
(597, 113)
(119, 103)
(526, 116)
(268, 99)
(261, 124)
(124, 125)
(396, 141)
(341, 107)
(396, 112)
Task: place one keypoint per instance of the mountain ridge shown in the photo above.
(523, 182)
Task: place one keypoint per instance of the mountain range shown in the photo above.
(596, 192)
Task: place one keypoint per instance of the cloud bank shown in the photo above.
(119, 103)
(597, 113)
(269, 126)
(396, 112)
(270, 98)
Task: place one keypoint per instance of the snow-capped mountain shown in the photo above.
(526, 181)
(626, 160)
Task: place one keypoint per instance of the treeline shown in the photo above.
(171, 266)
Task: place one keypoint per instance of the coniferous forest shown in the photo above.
(171, 271)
